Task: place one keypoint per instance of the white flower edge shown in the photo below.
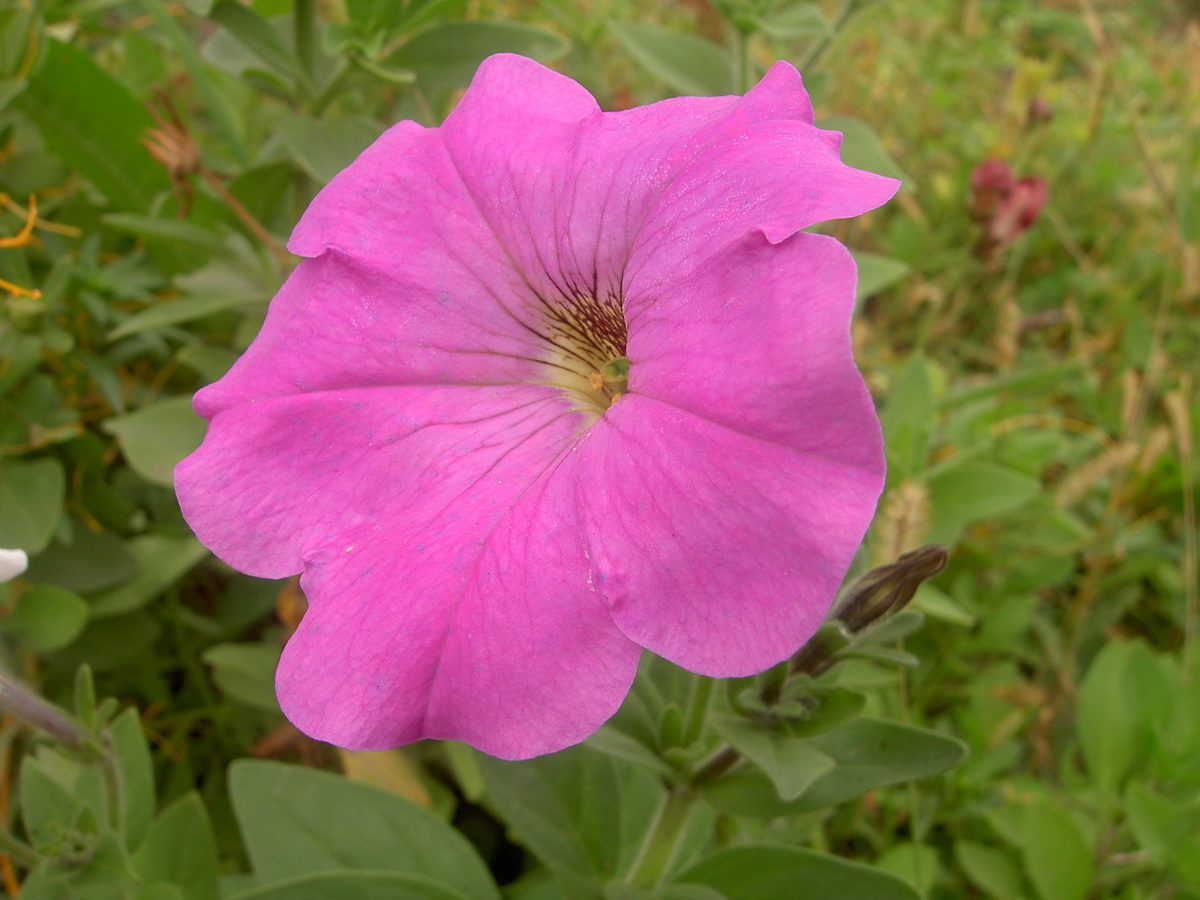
(12, 564)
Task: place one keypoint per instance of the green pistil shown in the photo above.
(616, 372)
(613, 378)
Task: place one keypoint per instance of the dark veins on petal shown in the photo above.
(585, 334)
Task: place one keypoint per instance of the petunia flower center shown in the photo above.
(585, 338)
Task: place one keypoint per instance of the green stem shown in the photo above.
(662, 842)
(848, 9)
(115, 782)
(18, 850)
(332, 89)
(697, 710)
(28, 707)
(304, 20)
(741, 61)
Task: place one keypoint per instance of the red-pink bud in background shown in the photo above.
(1018, 211)
(991, 182)
(1009, 206)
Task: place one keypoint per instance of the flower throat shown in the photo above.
(586, 337)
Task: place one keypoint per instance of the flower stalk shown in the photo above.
(661, 845)
(304, 21)
(697, 710)
(24, 704)
(18, 850)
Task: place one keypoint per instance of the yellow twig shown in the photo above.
(17, 291)
(22, 237)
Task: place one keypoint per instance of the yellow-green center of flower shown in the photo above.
(585, 338)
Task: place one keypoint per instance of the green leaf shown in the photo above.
(861, 148)
(566, 808)
(137, 776)
(786, 873)
(838, 705)
(793, 764)
(94, 124)
(868, 753)
(105, 875)
(357, 885)
(325, 147)
(989, 868)
(48, 808)
(297, 821)
(156, 437)
(180, 849)
(908, 416)
(618, 891)
(445, 57)
(258, 36)
(1168, 831)
(937, 604)
(113, 643)
(389, 16)
(246, 672)
(22, 354)
(46, 617)
(688, 64)
(169, 230)
(971, 491)
(1055, 853)
(873, 753)
(179, 311)
(31, 495)
(1160, 825)
(915, 863)
(90, 562)
(1106, 717)
(799, 20)
(158, 890)
(688, 892)
(624, 746)
(162, 560)
(210, 363)
(877, 273)
(9, 89)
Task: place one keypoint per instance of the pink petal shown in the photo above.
(448, 588)
(776, 177)
(757, 338)
(478, 623)
(567, 189)
(716, 550)
(280, 479)
(338, 324)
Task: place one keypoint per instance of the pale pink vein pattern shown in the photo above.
(485, 555)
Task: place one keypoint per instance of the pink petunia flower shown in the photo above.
(552, 386)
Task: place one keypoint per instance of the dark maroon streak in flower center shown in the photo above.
(586, 339)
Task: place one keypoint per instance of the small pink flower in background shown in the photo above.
(552, 386)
